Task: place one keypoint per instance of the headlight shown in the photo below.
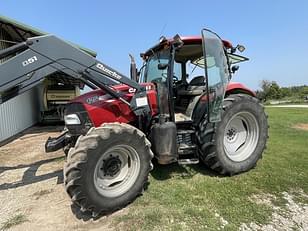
(71, 119)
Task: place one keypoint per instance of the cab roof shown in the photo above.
(186, 39)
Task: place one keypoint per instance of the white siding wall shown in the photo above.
(18, 114)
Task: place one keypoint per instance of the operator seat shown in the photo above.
(191, 92)
(197, 81)
(195, 87)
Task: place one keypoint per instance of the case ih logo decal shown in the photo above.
(133, 90)
(109, 72)
(92, 99)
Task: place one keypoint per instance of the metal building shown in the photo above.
(18, 114)
(23, 111)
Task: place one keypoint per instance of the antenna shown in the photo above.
(163, 29)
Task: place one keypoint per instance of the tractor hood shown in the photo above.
(97, 95)
(103, 108)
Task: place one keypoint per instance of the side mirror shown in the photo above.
(235, 68)
(162, 66)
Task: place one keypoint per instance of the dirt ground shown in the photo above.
(301, 126)
(31, 186)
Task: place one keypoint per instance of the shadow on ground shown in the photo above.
(164, 172)
(33, 132)
(85, 216)
(29, 176)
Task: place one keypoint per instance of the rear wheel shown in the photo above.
(237, 142)
(108, 168)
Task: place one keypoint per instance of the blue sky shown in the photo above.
(274, 32)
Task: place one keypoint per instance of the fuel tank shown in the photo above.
(164, 141)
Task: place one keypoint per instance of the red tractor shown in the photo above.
(180, 107)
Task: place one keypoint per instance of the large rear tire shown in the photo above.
(237, 142)
(108, 168)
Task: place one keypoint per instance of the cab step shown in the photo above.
(188, 131)
(185, 149)
(188, 161)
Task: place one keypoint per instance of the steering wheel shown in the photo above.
(157, 80)
(164, 78)
(175, 79)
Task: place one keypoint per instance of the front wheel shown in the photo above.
(237, 142)
(108, 168)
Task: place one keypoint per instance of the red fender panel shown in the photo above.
(234, 87)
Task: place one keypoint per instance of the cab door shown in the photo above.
(216, 73)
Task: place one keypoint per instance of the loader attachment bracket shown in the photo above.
(54, 144)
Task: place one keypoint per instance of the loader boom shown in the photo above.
(41, 56)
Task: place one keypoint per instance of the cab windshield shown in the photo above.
(150, 72)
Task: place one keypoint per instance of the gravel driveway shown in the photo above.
(31, 190)
(291, 106)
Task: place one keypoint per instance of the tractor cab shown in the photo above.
(191, 75)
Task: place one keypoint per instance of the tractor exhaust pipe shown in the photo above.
(133, 69)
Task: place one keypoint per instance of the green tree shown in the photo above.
(265, 88)
(285, 91)
(270, 90)
(304, 91)
(274, 91)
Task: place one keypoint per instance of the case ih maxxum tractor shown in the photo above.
(180, 107)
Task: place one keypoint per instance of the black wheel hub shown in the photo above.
(231, 134)
(111, 166)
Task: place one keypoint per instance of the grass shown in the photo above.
(187, 198)
(13, 221)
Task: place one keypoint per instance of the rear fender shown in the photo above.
(238, 88)
(200, 109)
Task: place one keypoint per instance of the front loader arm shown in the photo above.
(41, 56)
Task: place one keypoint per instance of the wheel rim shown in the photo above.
(116, 171)
(241, 136)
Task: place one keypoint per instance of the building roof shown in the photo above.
(21, 31)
